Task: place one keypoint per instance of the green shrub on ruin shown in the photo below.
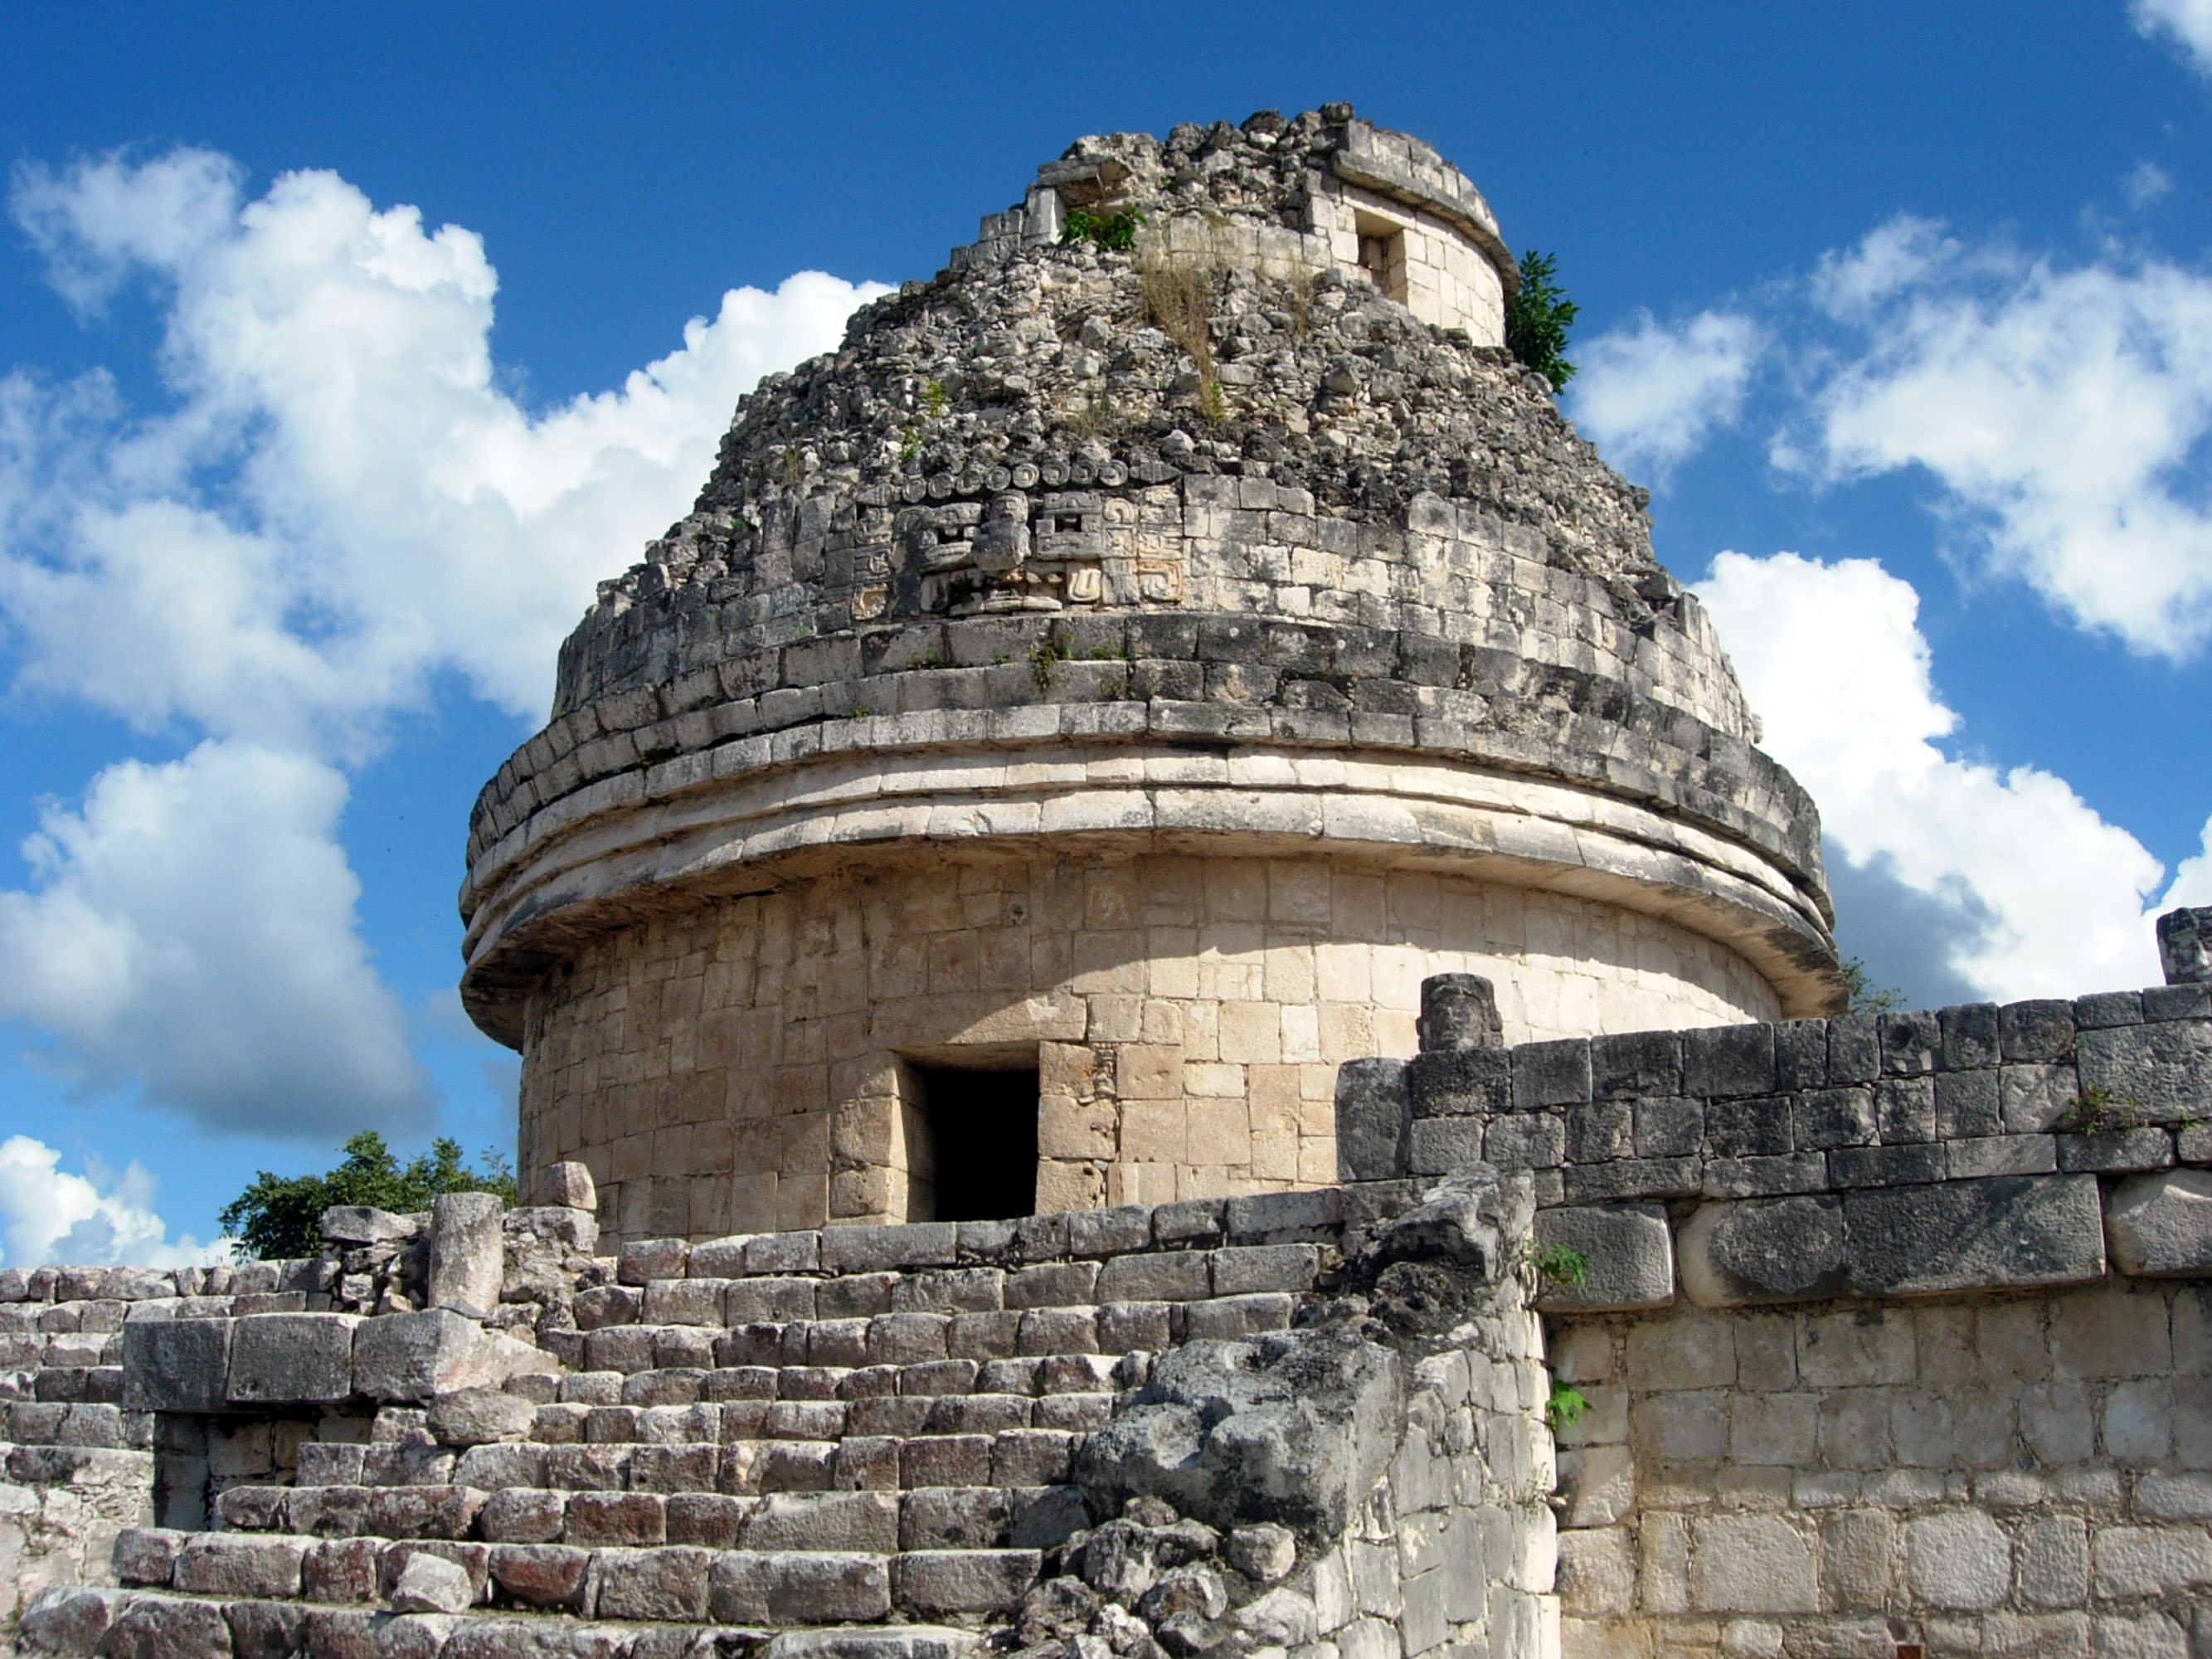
(279, 1217)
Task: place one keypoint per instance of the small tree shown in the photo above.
(280, 1216)
(1537, 319)
(1865, 996)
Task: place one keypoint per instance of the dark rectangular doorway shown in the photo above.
(983, 1128)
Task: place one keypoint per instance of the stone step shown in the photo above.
(70, 1623)
(812, 1583)
(881, 1521)
(683, 1385)
(613, 1337)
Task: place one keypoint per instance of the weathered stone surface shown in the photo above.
(1459, 1011)
(67, 1621)
(476, 1417)
(158, 1627)
(749, 1588)
(466, 1245)
(1755, 1250)
(2185, 945)
(1372, 1114)
(898, 1642)
(364, 1224)
(1264, 1552)
(2162, 1071)
(1628, 1257)
(176, 1364)
(1963, 1235)
(418, 1356)
(1289, 1428)
(568, 1184)
(2160, 1225)
(428, 1583)
(297, 1359)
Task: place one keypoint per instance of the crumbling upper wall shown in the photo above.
(1322, 191)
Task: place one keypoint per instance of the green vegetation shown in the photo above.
(1565, 1408)
(278, 1216)
(1537, 319)
(2098, 1111)
(1044, 662)
(1865, 996)
(1560, 1263)
(1114, 232)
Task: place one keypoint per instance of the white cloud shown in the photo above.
(342, 502)
(1651, 395)
(191, 927)
(2145, 183)
(2064, 411)
(46, 1216)
(1831, 657)
(335, 504)
(2186, 23)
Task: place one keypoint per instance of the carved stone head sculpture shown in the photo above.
(2185, 945)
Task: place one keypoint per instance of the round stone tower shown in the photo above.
(1079, 712)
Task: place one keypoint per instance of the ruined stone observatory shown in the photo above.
(1080, 712)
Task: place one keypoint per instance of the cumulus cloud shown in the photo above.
(191, 927)
(2045, 897)
(2186, 24)
(47, 1216)
(1651, 395)
(334, 504)
(2145, 183)
(341, 502)
(2064, 411)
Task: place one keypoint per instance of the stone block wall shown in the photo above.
(2021, 1475)
(1892, 1331)
(749, 1064)
(76, 1460)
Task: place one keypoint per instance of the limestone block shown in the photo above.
(1856, 1550)
(466, 1250)
(2160, 1225)
(1764, 1250)
(418, 1356)
(2166, 1069)
(152, 1627)
(429, 1583)
(1598, 1484)
(1597, 1571)
(1628, 1257)
(176, 1364)
(240, 1563)
(657, 1583)
(568, 1184)
(1372, 1114)
(746, 1587)
(364, 1224)
(2131, 1563)
(2005, 1230)
(2052, 1557)
(1752, 1564)
(1959, 1560)
(478, 1417)
(291, 1358)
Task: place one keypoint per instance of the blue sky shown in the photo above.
(1902, 311)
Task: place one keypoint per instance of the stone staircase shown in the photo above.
(859, 1441)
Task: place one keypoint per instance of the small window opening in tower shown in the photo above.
(1382, 254)
(981, 1130)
